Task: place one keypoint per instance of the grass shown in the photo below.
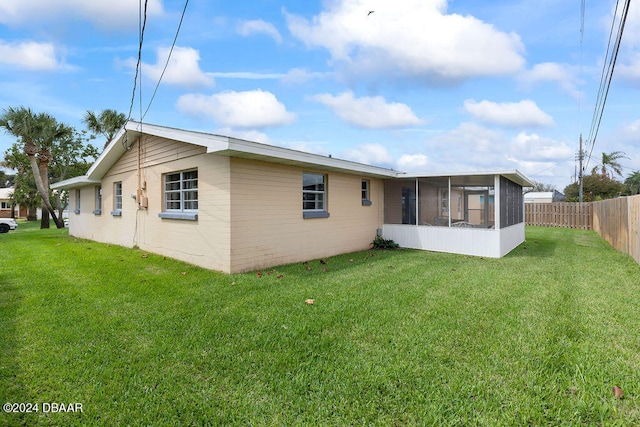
(405, 337)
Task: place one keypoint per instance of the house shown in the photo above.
(233, 205)
(10, 210)
(6, 205)
(543, 197)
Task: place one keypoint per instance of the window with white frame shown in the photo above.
(77, 211)
(314, 195)
(181, 195)
(98, 210)
(117, 199)
(5, 205)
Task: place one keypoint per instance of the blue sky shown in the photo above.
(417, 85)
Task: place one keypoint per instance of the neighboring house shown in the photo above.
(19, 211)
(543, 197)
(6, 205)
(233, 205)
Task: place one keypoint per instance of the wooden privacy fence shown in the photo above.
(559, 214)
(618, 222)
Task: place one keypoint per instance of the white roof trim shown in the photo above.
(6, 193)
(514, 175)
(77, 181)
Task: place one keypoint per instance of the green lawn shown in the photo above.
(539, 337)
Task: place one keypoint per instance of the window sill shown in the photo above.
(315, 214)
(188, 216)
(97, 212)
(116, 213)
(366, 202)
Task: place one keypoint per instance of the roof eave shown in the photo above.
(274, 154)
(78, 181)
(514, 175)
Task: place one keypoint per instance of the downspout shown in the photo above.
(449, 201)
(497, 201)
(417, 207)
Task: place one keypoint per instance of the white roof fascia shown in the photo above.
(218, 144)
(255, 150)
(233, 147)
(514, 175)
(212, 142)
(6, 193)
(77, 181)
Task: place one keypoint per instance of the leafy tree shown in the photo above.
(541, 187)
(633, 182)
(595, 187)
(46, 150)
(610, 164)
(107, 123)
(6, 180)
(25, 192)
(36, 132)
(69, 158)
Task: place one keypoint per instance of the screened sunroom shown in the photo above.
(479, 214)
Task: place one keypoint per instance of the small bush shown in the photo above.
(381, 243)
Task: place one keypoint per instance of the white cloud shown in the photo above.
(251, 109)
(368, 112)
(632, 26)
(248, 28)
(183, 68)
(247, 75)
(413, 38)
(300, 75)
(631, 131)
(631, 69)
(413, 162)
(552, 72)
(509, 114)
(105, 14)
(536, 148)
(469, 147)
(369, 154)
(30, 55)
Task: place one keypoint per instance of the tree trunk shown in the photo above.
(44, 220)
(32, 213)
(43, 166)
(30, 150)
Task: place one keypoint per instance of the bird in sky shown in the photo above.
(370, 12)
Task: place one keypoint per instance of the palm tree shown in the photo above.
(37, 132)
(107, 123)
(611, 161)
(633, 182)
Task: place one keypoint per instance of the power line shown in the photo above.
(605, 80)
(142, 23)
(582, 21)
(175, 39)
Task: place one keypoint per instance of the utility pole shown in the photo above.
(580, 158)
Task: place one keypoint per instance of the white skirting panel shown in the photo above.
(465, 241)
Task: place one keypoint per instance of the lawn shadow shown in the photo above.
(11, 385)
(343, 263)
(535, 246)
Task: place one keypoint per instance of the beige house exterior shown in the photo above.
(228, 204)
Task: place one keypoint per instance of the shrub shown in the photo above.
(381, 243)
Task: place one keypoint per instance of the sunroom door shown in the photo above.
(476, 207)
